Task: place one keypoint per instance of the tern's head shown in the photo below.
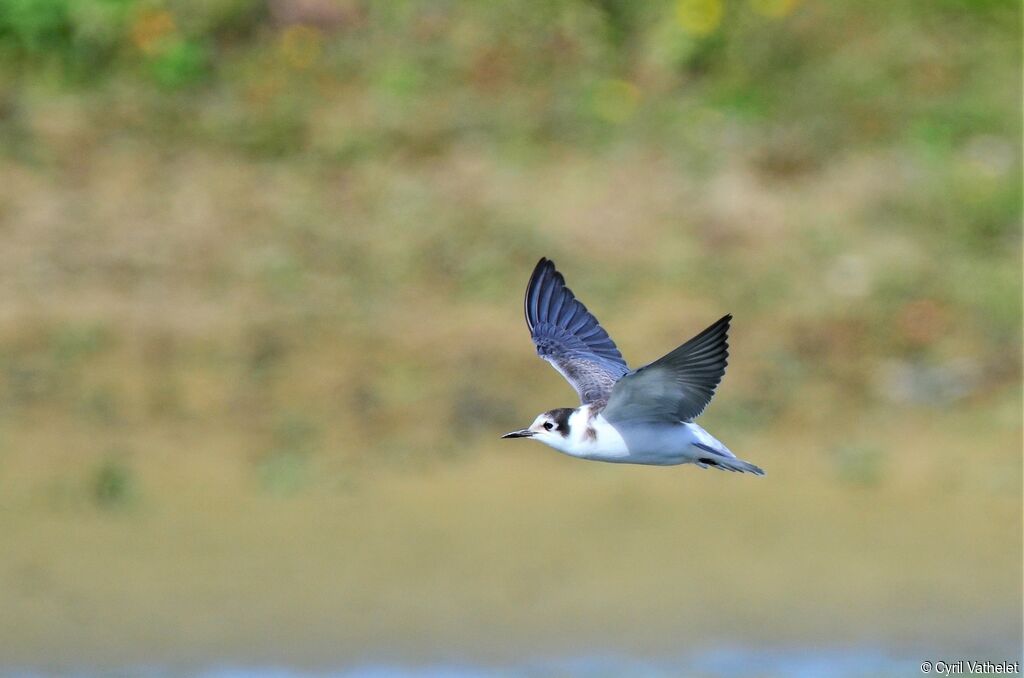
(550, 428)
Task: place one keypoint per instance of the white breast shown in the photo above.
(592, 437)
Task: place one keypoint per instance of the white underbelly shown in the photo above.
(658, 445)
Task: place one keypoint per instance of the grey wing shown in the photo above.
(676, 387)
(568, 336)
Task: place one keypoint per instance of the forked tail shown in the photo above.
(718, 455)
(728, 464)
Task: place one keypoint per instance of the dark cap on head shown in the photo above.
(561, 418)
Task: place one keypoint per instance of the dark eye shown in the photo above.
(548, 426)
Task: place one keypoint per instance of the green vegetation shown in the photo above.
(113, 484)
(261, 265)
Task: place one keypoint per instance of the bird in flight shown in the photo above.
(641, 416)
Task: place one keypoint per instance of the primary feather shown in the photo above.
(676, 387)
(568, 336)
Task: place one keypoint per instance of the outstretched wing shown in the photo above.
(676, 387)
(569, 337)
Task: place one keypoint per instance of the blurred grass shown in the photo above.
(259, 282)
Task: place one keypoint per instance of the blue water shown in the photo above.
(718, 664)
(722, 663)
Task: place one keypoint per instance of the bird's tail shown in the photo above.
(728, 464)
(717, 455)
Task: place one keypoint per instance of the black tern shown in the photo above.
(641, 416)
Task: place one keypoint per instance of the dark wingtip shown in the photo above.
(538, 271)
(544, 267)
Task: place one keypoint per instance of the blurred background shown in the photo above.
(261, 276)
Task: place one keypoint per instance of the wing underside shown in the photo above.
(568, 336)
